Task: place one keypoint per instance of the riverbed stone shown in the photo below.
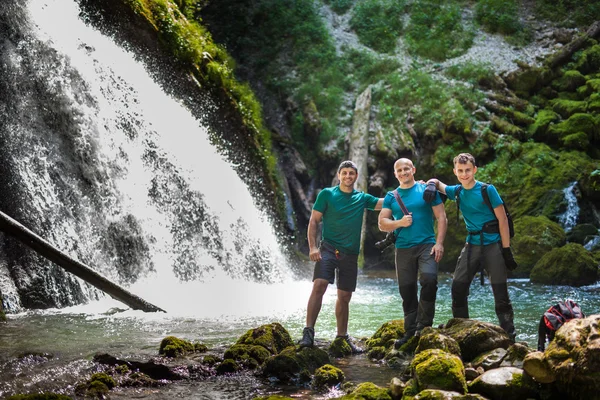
(327, 376)
(368, 391)
(292, 364)
(504, 383)
(475, 337)
(386, 334)
(515, 355)
(489, 360)
(273, 337)
(248, 356)
(433, 339)
(437, 369)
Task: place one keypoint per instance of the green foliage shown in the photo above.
(339, 6)
(365, 68)
(570, 265)
(498, 16)
(569, 12)
(472, 72)
(378, 23)
(437, 31)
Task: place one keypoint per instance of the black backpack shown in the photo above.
(492, 226)
(555, 317)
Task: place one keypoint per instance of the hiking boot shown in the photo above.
(355, 349)
(403, 340)
(308, 337)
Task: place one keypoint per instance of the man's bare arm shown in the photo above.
(500, 213)
(441, 186)
(313, 226)
(387, 223)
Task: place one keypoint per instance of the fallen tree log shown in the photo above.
(566, 53)
(45, 249)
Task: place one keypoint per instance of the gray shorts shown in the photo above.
(333, 263)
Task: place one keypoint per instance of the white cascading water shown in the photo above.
(569, 218)
(119, 92)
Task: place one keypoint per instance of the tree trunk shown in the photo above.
(359, 151)
(565, 54)
(30, 239)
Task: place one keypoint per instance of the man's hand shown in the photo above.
(406, 220)
(438, 251)
(430, 192)
(509, 260)
(314, 254)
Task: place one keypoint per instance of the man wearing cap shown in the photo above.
(341, 210)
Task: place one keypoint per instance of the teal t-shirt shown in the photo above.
(475, 212)
(421, 231)
(343, 216)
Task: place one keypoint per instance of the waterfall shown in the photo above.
(568, 219)
(99, 161)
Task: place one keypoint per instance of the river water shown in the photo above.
(218, 313)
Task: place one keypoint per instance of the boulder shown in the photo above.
(293, 365)
(437, 369)
(569, 265)
(272, 337)
(327, 376)
(504, 383)
(433, 339)
(475, 337)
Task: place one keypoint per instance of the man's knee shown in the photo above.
(408, 293)
(319, 286)
(344, 296)
(428, 287)
(460, 292)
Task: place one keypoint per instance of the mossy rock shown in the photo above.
(569, 82)
(590, 185)
(437, 369)
(97, 389)
(339, 348)
(250, 356)
(576, 123)
(507, 128)
(387, 334)
(580, 232)
(368, 391)
(104, 378)
(505, 383)
(327, 376)
(140, 379)
(543, 120)
(534, 237)
(376, 353)
(273, 337)
(576, 141)
(475, 337)
(433, 339)
(569, 265)
(292, 364)
(566, 108)
(228, 366)
(39, 396)
(172, 346)
(589, 61)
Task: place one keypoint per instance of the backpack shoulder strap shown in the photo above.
(457, 197)
(400, 202)
(486, 197)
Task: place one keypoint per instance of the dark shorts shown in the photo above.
(345, 266)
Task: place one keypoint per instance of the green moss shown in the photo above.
(569, 265)
(588, 61)
(97, 389)
(339, 348)
(569, 82)
(328, 375)
(386, 334)
(39, 396)
(576, 141)
(500, 16)
(104, 378)
(273, 337)
(250, 356)
(437, 369)
(576, 123)
(292, 363)
(228, 366)
(566, 108)
(376, 353)
(534, 237)
(368, 391)
(172, 346)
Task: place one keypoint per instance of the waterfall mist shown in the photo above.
(99, 161)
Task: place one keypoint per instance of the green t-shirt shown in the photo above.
(343, 216)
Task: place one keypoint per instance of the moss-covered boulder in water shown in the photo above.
(437, 369)
(327, 375)
(368, 391)
(534, 237)
(339, 348)
(581, 232)
(505, 383)
(272, 337)
(386, 334)
(293, 365)
(433, 339)
(475, 337)
(249, 356)
(172, 346)
(569, 265)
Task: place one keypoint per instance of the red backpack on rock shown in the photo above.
(555, 317)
